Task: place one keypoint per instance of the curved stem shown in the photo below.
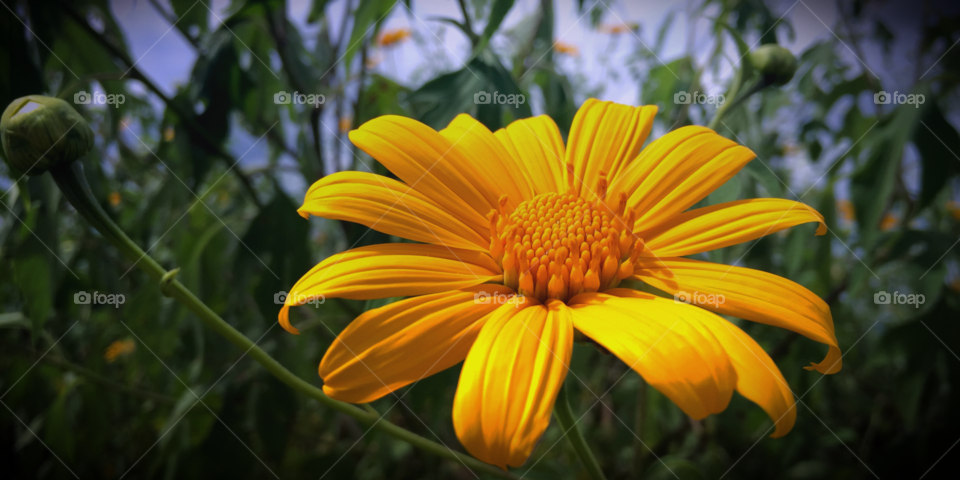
(737, 101)
(569, 425)
(74, 186)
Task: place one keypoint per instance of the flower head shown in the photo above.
(39, 132)
(525, 240)
(393, 37)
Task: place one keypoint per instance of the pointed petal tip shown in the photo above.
(284, 318)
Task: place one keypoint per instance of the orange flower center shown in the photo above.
(558, 245)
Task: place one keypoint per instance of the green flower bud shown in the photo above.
(39, 132)
(775, 63)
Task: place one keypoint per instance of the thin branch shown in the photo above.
(184, 114)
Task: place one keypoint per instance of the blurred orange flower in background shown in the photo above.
(846, 210)
(954, 209)
(393, 37)
(566, 48)
(618, 28)
(118, 348)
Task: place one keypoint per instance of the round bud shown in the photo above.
(39, 132)
(775, 63)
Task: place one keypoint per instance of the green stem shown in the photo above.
(74, 186)
(737, 101)
(569, 425)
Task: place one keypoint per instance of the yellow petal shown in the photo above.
(492, 164)
(758, 378)
(510, 381)
(726, 224)
(676, 171)
(390, 270)
(428, 163)
(392, 346)
(537, 150)
(664, 342)
(751, 295)
(605, 136)
(388, 206)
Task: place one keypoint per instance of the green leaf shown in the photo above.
(189, 14)
(438, 101)
(31, 267)
(317, 11)
(939, 146)
(369, 12)
(872, 185)
(498, 12)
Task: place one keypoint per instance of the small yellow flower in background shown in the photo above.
(524, 240)
(118, 348)
(889, 222)
(345, 124)
(954, 209)
(618, 28)
(955, 285)
(566, 48)
(114, 199)
(169, 134)
(393, 37)
(847, 212)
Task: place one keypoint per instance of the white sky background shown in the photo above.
(166, 57)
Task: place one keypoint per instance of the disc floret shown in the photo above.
(558, 245)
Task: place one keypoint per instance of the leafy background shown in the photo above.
(208, 173)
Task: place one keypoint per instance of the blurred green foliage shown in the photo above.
(162, 168)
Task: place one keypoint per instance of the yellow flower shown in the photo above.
(566, 48)
(114, 198)
(392, 37)
(518, 212)
(618, 28)
(169, 134)
(117, 348)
